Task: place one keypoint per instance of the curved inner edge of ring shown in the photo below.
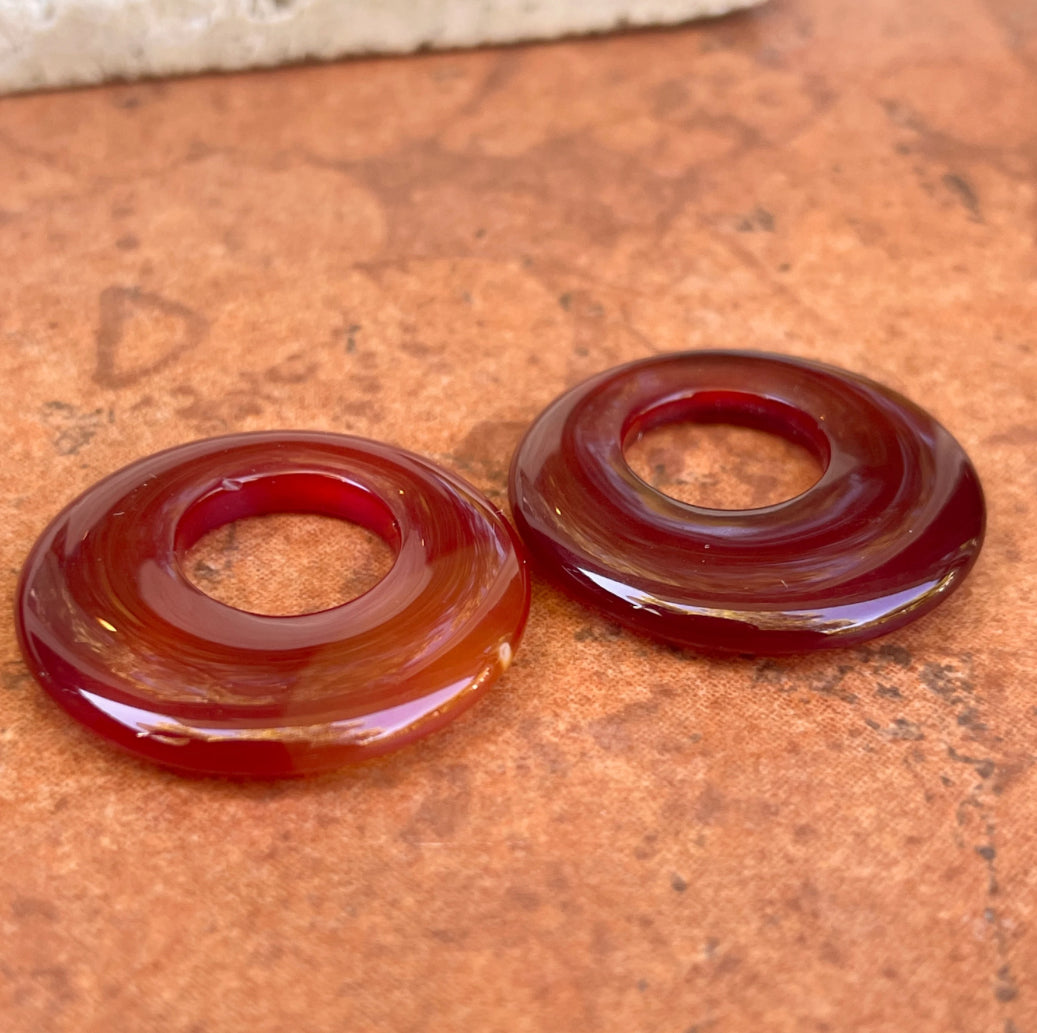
(317, 493)
(740, 408)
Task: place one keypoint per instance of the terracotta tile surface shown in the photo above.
(621, 837)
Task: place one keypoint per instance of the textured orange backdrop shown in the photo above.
(622, 838)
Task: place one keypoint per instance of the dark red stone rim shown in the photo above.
(111, 627)
(887, 532)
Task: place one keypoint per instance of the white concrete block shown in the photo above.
(46, 43)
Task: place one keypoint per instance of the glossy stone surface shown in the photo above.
(113, 630)
(889, 530)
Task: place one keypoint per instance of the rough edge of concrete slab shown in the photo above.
(49, 43)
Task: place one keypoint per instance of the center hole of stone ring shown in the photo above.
(719, 450)
(288, 545)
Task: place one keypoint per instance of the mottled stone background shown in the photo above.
(621, 838)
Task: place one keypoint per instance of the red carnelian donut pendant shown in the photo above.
(112, 629)
(891, 528)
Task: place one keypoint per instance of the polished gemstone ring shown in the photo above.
(888, 531)
(111, 627)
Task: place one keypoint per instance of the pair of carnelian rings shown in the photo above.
(113, 630)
